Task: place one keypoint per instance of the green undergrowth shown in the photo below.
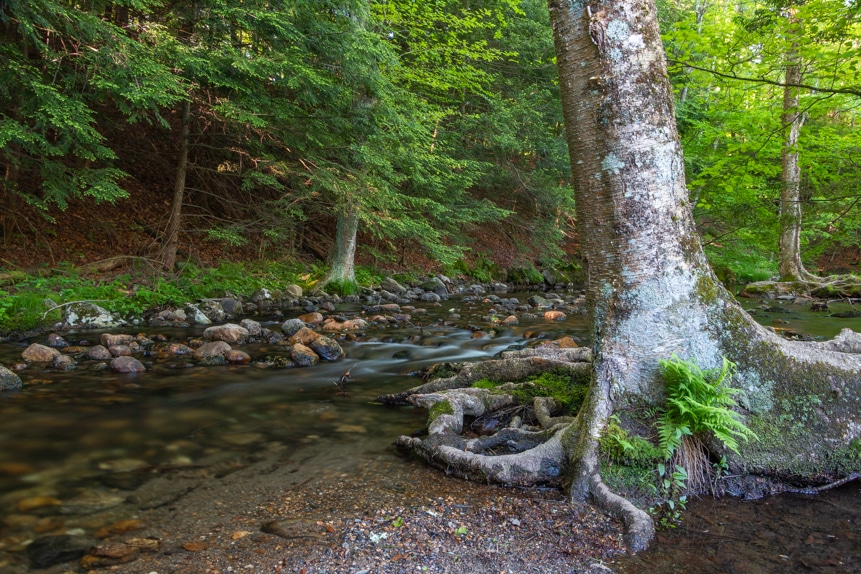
(741, 265)
(566, 388)
(26, 300)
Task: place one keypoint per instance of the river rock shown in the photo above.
(37, 353)
(9, 381)
(253, 327)
(327, 348)
(213, 311)
(232, 307)
(50, 550)
(293, 528)
(229, 333)
(63, 363)
(127, 365)
(262, 296)
(303, 356)
(213, 361)
(540, 302)
(108, 340)
(237, 357)
(90, 501)
(554, 315)
(294, 291)
(510, 320)
(214, 349)
(56, 341)
(304, 336)
(109, 554)
(98, 353)
(314, 318)
(430, 297)
(195, 315)
(89, 315)
(435, 285)
(174, 349)
(120, 350)
(292, 326)
(390, 284)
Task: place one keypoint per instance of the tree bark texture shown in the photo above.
(650, 290)
(791, 267)
(343, 258)
(171, 235)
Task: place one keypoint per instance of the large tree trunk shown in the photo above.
(171, 235)
(343, 258)
(650, 290)
(651, 294)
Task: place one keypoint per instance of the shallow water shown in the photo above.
(103, 433)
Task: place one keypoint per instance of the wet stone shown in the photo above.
(51, 550)
(127, 365)
(111, 554)
(213, 349)
(328, 349)
(292, 326)
(304, 336)
(229, 333)
(108, 340)
(212, 361)
(303, 356)
(120, 350)
(314, 318)
(63, 363)
(9, 381)
(37, 353)
(99, 353)
(292, 528)
(253, 327)
(174, 349)
(237, 357)
(56, 341)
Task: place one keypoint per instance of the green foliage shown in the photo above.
(23, 304)
(699, 402)
(727, 64)
(672, 484)
(567, 389)
(439, 409)
(525, 275)
(619, 447)
(343, 287)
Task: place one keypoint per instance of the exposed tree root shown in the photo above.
(514, 365)
(515, 456)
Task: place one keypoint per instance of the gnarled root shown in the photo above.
(535, 457)
(519, 457)
(514, 365)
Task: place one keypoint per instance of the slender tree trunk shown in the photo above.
(791, 267)
(171, 236)
(343, 258)
(650, 291)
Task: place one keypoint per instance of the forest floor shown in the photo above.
(311, 514)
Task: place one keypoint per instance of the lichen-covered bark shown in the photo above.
(791, 267)
(343, 259)
(649, 289)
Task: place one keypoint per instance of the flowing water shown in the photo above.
(72, 440)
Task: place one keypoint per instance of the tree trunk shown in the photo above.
(650, 290)
(343, 259)
(171, 236)
(791, 267)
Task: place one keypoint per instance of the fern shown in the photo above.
(699, 403)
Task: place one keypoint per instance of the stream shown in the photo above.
(81, 447)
